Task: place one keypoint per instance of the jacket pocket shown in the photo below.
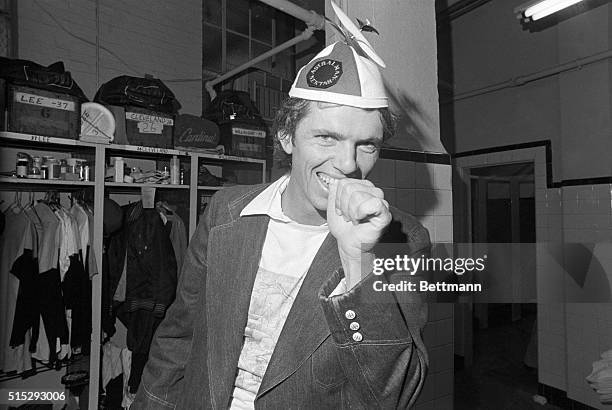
(327, 371)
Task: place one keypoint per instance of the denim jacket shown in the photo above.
(316, 363)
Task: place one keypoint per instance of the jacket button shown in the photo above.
(354, 326)
(358, 337)
(350, 314)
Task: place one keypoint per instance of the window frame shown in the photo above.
(225, 65)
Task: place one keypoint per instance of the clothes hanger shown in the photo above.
(51, 201)
(80, 199)
(31, 206)
(11, 205)
(16, 205)
(27, 207)
(31, 202)
(58, 203)
(19, 204)
(162, 206)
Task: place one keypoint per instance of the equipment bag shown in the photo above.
(148, 92)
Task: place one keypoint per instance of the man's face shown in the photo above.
(330, 142)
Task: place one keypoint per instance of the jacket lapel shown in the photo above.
(235, 254)
(306, 327)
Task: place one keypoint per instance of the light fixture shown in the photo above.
(535, 10)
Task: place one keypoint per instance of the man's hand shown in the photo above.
(357, 215)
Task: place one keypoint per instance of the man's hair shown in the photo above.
(293, 110)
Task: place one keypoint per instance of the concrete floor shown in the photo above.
(499, 379)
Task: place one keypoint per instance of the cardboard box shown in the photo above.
(243, 139)
(41, 112)
(139, 126)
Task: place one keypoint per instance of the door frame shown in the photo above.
(462, 221)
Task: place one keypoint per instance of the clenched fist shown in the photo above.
(357, 215)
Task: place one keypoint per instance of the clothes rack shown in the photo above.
(248, 170)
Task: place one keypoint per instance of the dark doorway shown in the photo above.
(502, 370)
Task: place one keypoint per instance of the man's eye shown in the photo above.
(326, 139)
(369, 148)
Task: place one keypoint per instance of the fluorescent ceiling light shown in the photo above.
(536, 10)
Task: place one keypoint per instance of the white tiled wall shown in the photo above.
(570, 336)
(587, 219)
(594, 320)
(437, 392)
(424, 190)
(576, 215)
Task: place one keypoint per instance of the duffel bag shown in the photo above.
(52, 78)
(148, 92)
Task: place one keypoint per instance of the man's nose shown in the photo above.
(345, 161)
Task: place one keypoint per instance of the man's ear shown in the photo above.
(286, 143)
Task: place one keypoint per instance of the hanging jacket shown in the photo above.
(150, 281)
(151, 264)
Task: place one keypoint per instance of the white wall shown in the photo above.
(162, 38)
(407, 45)
(489, 46)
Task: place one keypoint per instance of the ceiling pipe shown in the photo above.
(459, 9)
(313, 22)
(524, 79)
(309, 17)
(306, 34)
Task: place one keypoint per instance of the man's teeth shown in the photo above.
(326, 180)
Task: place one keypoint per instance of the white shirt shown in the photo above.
(287, 254)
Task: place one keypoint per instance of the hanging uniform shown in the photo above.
(19, 234)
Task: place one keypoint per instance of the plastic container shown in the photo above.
(119, 165)
(63, 168)
(166, 175)
(54, 168)
(175, 172)
(22, 167)
(79, 163)
(34, 172)
(71, 162)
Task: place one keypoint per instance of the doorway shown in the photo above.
(503, 213)
(501, 365)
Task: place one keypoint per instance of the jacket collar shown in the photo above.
(268, 202)
(236, 205)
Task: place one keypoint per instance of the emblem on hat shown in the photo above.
(345, 72)
(324, 73)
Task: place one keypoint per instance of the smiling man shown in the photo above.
(275, 306)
